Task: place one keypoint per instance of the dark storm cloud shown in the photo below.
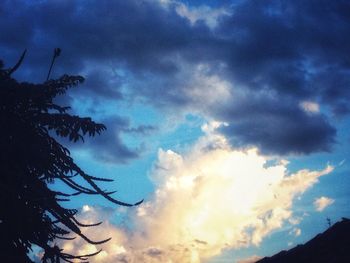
(292, 50)
(108, 146)
(287, 45)
(276, 126)
(139, 35)
(104, 83)
(92, 37)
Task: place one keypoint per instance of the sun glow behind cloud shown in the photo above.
(210, 198)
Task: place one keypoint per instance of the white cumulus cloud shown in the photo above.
(210, 198)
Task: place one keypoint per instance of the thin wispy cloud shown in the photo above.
(322, 203)
(251, 259)
(295, 232)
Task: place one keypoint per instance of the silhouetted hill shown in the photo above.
(332, 246)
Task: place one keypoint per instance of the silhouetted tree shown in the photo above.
(31, 158)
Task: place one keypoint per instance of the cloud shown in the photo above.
(295, 232)
(103, 37)
(310, 107)
(201, 13)
(275, 125)
(211, 197)
(102, 81)
(287, 53)
(251, 259)
(114, 250)
(109, 147)
(322, 202)
(279, 55)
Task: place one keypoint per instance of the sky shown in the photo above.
(229, 118)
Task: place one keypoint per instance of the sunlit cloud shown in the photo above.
(113, 251)
(322, 202)
(251, 259)
(310, 107)
(295, 232)
(294, 220)
(209, 198)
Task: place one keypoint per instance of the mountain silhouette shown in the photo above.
(331, 246)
